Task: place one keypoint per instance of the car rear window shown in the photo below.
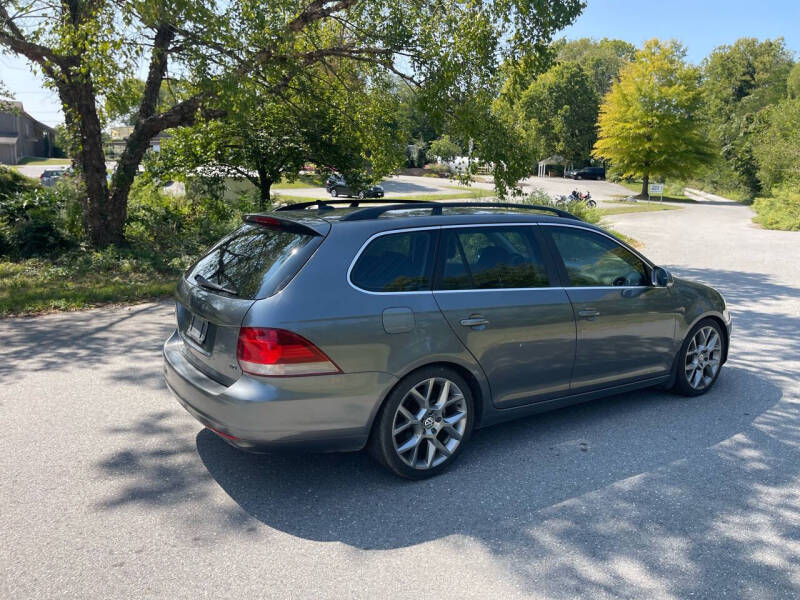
(255, 261)
(399, 262)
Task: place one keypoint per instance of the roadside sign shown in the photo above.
(656, 188)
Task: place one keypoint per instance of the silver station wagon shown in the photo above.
(334, 326)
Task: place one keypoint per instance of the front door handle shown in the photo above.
(589, 313)
(474, 322)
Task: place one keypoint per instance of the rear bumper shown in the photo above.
(326, 413)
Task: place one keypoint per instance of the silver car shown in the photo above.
(404, 327)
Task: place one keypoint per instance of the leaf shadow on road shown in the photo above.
(644, 492)
(86, 340)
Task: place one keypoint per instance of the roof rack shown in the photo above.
(352, 202)
(374, 212)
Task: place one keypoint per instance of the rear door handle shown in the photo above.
(474, 322)
(588, 313)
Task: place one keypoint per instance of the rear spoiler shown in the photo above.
(305, 225)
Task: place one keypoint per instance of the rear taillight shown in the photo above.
(280, 353)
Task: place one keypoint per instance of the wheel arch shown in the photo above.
(480, 393)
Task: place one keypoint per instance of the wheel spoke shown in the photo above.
(441, 447)
(697, 377)
(443, 395)
(411, 418)
(413, 442)
(452, 432)
(402, 428)
(431, 455)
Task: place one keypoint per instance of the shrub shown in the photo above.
(12, 183)
(579, 209)
(782, 211)
(35, 222)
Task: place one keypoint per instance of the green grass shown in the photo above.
(673, 192)
(33, 161)
(634, 207)
(303, 181)
(36, 286)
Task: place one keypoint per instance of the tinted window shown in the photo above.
(256, 261)
(398, 262)
(490, 258)
(592, 259)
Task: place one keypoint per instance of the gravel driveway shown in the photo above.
(109, 490)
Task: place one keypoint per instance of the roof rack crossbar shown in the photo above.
(373, 212)
(352, 202)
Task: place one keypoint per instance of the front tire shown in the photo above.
(334, 192)
(424, 423)
(700, 359)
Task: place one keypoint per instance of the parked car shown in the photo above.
(337, 186)
(586, 173)
(50, 176)
(436, 319)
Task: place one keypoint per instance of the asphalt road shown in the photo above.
(409, 186)
(109, 490)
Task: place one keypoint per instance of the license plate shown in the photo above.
(197, 329)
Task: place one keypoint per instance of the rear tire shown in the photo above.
(699, 361)
(334, 192)
(424, 424)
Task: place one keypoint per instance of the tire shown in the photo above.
(692, 379)
(393, 430)
(334, 192)
(591, 203)
(361, 195)
(578, 177)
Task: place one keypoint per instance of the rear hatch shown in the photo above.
(256, 261)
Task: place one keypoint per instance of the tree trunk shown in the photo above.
(103, 221)
(264, 185)
(645, 182)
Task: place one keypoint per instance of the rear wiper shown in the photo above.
(214, 286)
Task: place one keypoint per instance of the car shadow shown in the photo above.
(505, 473)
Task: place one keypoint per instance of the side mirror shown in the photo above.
(661, 277)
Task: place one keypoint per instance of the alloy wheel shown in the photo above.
(703, 358)
(429, 423)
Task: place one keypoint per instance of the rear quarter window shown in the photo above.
(256, 261)
(397, 262)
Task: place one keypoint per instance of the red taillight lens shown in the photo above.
(279, 353)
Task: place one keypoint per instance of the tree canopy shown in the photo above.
(739, 81)
(560, 111)
(650, 121)
(86, 48)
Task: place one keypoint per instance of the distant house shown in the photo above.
(22, 135)
(119, 137)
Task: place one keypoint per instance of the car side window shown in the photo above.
(398, 262)
(592, 259)
(483, 258)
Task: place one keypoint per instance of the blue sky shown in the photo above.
(700, 24)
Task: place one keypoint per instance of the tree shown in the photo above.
(263, 141)
(602, 59)
(739, 81)
(793, 82)
(776, 146)
(86, 48)
(649, 121)
(560, 111)
(444, 148)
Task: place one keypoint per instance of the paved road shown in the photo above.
(408, 186)
(109, 490)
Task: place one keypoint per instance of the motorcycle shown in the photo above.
(576, 196)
